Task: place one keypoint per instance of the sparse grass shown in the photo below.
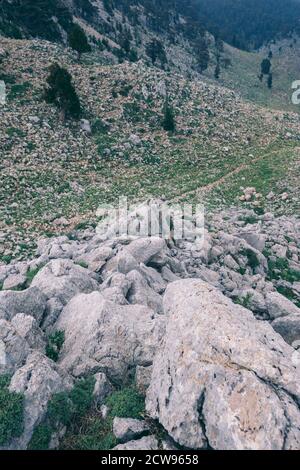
(126, 403)
(11, 412)
(54, 345)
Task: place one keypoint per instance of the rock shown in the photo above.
(126, 429)
(85, 126)
(143, 378)
(13, 348)
(123, 263)
(146, 443)
(37, 380)
(280, 306)
(289, 328)
(154, 278)
(135, 140)
(53, 309)
(102, 388)
(14, 281)
(30, 301)
(104, 337)
(256, 240)
(144, 249)
(279, 250)
(27, 327)
(141, 293)
(62, 279)
(221, 378)
(96, 258)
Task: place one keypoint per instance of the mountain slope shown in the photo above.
(50, 169)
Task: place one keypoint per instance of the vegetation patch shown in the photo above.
(11, 412)
(55, 344)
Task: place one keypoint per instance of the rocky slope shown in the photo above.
(204, 332)
(54, 175)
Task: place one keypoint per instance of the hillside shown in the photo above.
(51, 170)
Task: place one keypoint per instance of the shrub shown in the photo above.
(41, 437)
(253, 261)
(11, 412)
(62, 93)
(78, 40)
(54, 345)
(126, 403)
(169, 120)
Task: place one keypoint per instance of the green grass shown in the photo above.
(11, 412)
(54, 345)
(126, 403)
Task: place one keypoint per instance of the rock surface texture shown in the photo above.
(207, 329)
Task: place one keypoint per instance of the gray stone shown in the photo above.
(30, 301)
(126, 429)
(37, 380)
(289, 328)
(102, 336)
(143, 378)
(280, 306)
(13, 348)
(146, 443)
(219, 373)
(62, 279)
(144, 249)
(141, 293)
(102, 387)
(14, 281)
(27, 327)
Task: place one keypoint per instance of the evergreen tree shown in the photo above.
(155, 50)
(270, 81)
(217, 71)
(169, 119)
(266, 67)
(78, 40)
(61, 92)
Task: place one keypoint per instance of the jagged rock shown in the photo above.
(146, 443)
(102, 336)
(256, 240)
(143, 378)
(14, 281)
(13, 348)
(126, 429)
(144, 249)
(53, 309)
(30, 301)
(280, 306)
(219, 376)
(141, 293)
(289, 328)
(154, 278)
(96, 258)
(38, 380)
(102, 388)
(62, 279)
(115, 288)
(27, 327)
(123, 263)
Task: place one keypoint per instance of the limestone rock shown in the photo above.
(219, 373)
(126, 429)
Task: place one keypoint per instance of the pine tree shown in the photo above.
(78, 40)
(169, 119)
(270, 81)
(61, 92)
(265, 67)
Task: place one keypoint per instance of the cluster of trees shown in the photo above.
(248, 24)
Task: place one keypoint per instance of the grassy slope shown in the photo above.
(242, 76)
(52, 170)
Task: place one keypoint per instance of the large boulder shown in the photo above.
(144, 249)
(126, 429)
(289, 328)
(13, 348)
(141, 293)
(37, 380)
(280, 306)
(106, 337)
(63, 279)
(30, 301)
(27, 327)
(221, 378)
